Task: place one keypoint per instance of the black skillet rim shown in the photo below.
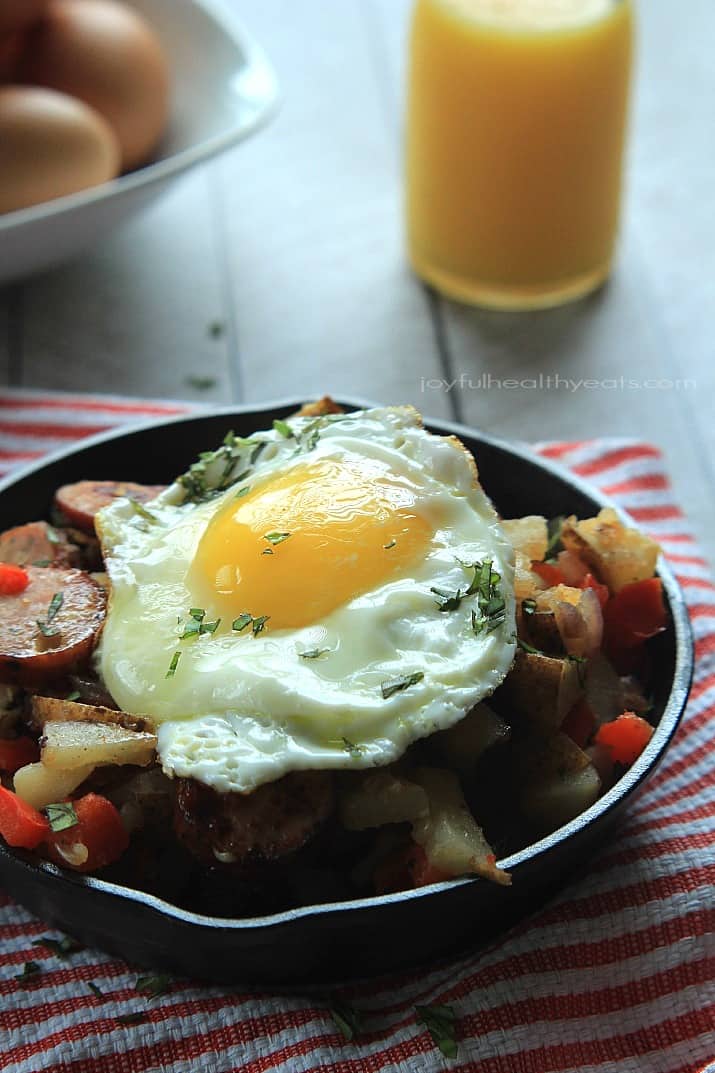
(625, 787)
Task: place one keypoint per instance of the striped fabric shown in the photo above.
(617, 974)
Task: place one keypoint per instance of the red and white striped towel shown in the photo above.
(615, 974)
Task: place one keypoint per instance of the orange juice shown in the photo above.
(515, 133)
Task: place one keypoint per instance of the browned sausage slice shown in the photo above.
(37, 542)
(70, 607)
(80, 502)
(275, 820)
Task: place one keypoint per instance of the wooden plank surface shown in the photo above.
(134, 315)
(322, 296)
(293, 245)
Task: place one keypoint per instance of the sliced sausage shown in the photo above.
(50, 628)
(274, 821)
(79, 502)
(37, 542)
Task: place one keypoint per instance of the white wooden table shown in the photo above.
(291, 247)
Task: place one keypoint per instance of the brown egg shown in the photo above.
(50, 145)
(104, 53)
(16, 14)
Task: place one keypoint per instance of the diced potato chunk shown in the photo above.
(453, 841)
(558, 781)
(40, 785)
(617, 554)
(319, 408)
(54, 709)
(526, 582)
(578, 617)
(540, 630)
(542, 689)
(528, 535)
(551, 802)
(604, 690)
(463, 744)
(379, 798)
(70, 745)
(549, 598)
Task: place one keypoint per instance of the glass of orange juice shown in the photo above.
(515, 134)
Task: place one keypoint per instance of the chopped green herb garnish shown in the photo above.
(243, 491)
(237, 454)
(153, 986)
(310, 435)
(554, 544)
(201, 383)
(448, 600)
(439, 1022)
(490, 602)
(54, 606)
(355, 751)
(346, 1017)
(173, 665)
(61, 948)
(257, 624)
(192, 628)
(30, 968)
(283, 429)
(42, 562)
(526, 647)
(142, 511)
(275, 538)
(313, 653)
(131, 1018)
(528, 606)
(392, 545)
(396, 685)
(209, 627)
(74, 695)
(61, 815)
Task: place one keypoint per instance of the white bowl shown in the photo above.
(223, 90)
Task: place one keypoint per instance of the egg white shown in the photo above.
(241, 710)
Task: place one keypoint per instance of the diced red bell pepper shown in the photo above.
(579, 722)
(630, 617)
(552, 575)
(13, 579)
(21, 825)
(404, 870)
(636, 612)
(16, 752)
(590, 582)
(97, 839)
(626, 737)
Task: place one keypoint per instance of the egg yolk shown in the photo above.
(308, 540)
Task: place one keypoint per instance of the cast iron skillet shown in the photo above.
(341, 939)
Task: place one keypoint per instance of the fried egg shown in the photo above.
(320, 595)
